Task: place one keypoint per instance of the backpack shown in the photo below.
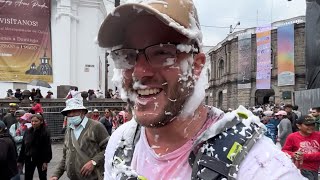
(209, 160)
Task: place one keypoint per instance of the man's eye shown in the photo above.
(131, 56)
(162, 53)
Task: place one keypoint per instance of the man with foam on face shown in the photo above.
(156, 48)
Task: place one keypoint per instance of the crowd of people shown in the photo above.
(35, 94)
(73, 92)
(25, 143)
(27, 132)
(295, 134)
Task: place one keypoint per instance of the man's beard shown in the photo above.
(173, 107)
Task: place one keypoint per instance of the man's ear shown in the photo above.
(198, 64)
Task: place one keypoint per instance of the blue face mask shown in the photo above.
(75, 120)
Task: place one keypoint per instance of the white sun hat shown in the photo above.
(73, 104)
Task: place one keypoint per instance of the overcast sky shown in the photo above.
(216, 16)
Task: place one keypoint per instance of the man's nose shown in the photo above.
(142, 67)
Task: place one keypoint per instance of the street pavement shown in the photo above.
(56, 157)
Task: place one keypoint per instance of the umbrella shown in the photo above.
(40, 83)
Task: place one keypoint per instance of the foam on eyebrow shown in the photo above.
(184, 48)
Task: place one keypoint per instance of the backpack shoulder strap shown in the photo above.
(124, 152)
(220, 156)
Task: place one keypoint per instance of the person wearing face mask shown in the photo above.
(84, 144)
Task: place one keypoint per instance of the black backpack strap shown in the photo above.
(220, 156)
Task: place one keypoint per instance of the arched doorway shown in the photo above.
(264, 96)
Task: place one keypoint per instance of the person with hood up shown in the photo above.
(8, 154)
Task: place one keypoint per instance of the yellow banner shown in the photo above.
(25, 40)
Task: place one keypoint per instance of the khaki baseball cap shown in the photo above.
(306, 119)
(181, 15)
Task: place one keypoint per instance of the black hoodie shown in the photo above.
(8, 156)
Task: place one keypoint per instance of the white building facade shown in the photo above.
(77, 60)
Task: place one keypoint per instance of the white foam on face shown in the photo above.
(184, 48)
(138, 85)
(169, 62)
(116, 47)
(156, 105)
(117, 79)
(156, 137)
(186, 68)
(120, 61)
(197, 96)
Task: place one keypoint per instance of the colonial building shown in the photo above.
(77, 60)
(223, 91)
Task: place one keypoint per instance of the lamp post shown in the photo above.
(106, 65)
(233, 28)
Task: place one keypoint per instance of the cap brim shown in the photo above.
(113, 28)
(66, 110)
(309, 122)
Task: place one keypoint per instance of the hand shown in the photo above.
(44, 166)
(298, 156)
(53, 178)
(87, 169)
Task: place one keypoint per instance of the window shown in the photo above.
(220, 99)
(220, 68)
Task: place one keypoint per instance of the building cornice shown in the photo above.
(275, 25)
(60, 14)
(99, 4)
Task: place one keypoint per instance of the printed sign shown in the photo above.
(25, 40)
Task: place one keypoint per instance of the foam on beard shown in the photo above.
(195, 100)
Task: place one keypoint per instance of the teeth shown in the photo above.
(146, 92)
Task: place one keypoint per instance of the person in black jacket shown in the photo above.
(8, 154)
(106, 120)
(36, 149)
